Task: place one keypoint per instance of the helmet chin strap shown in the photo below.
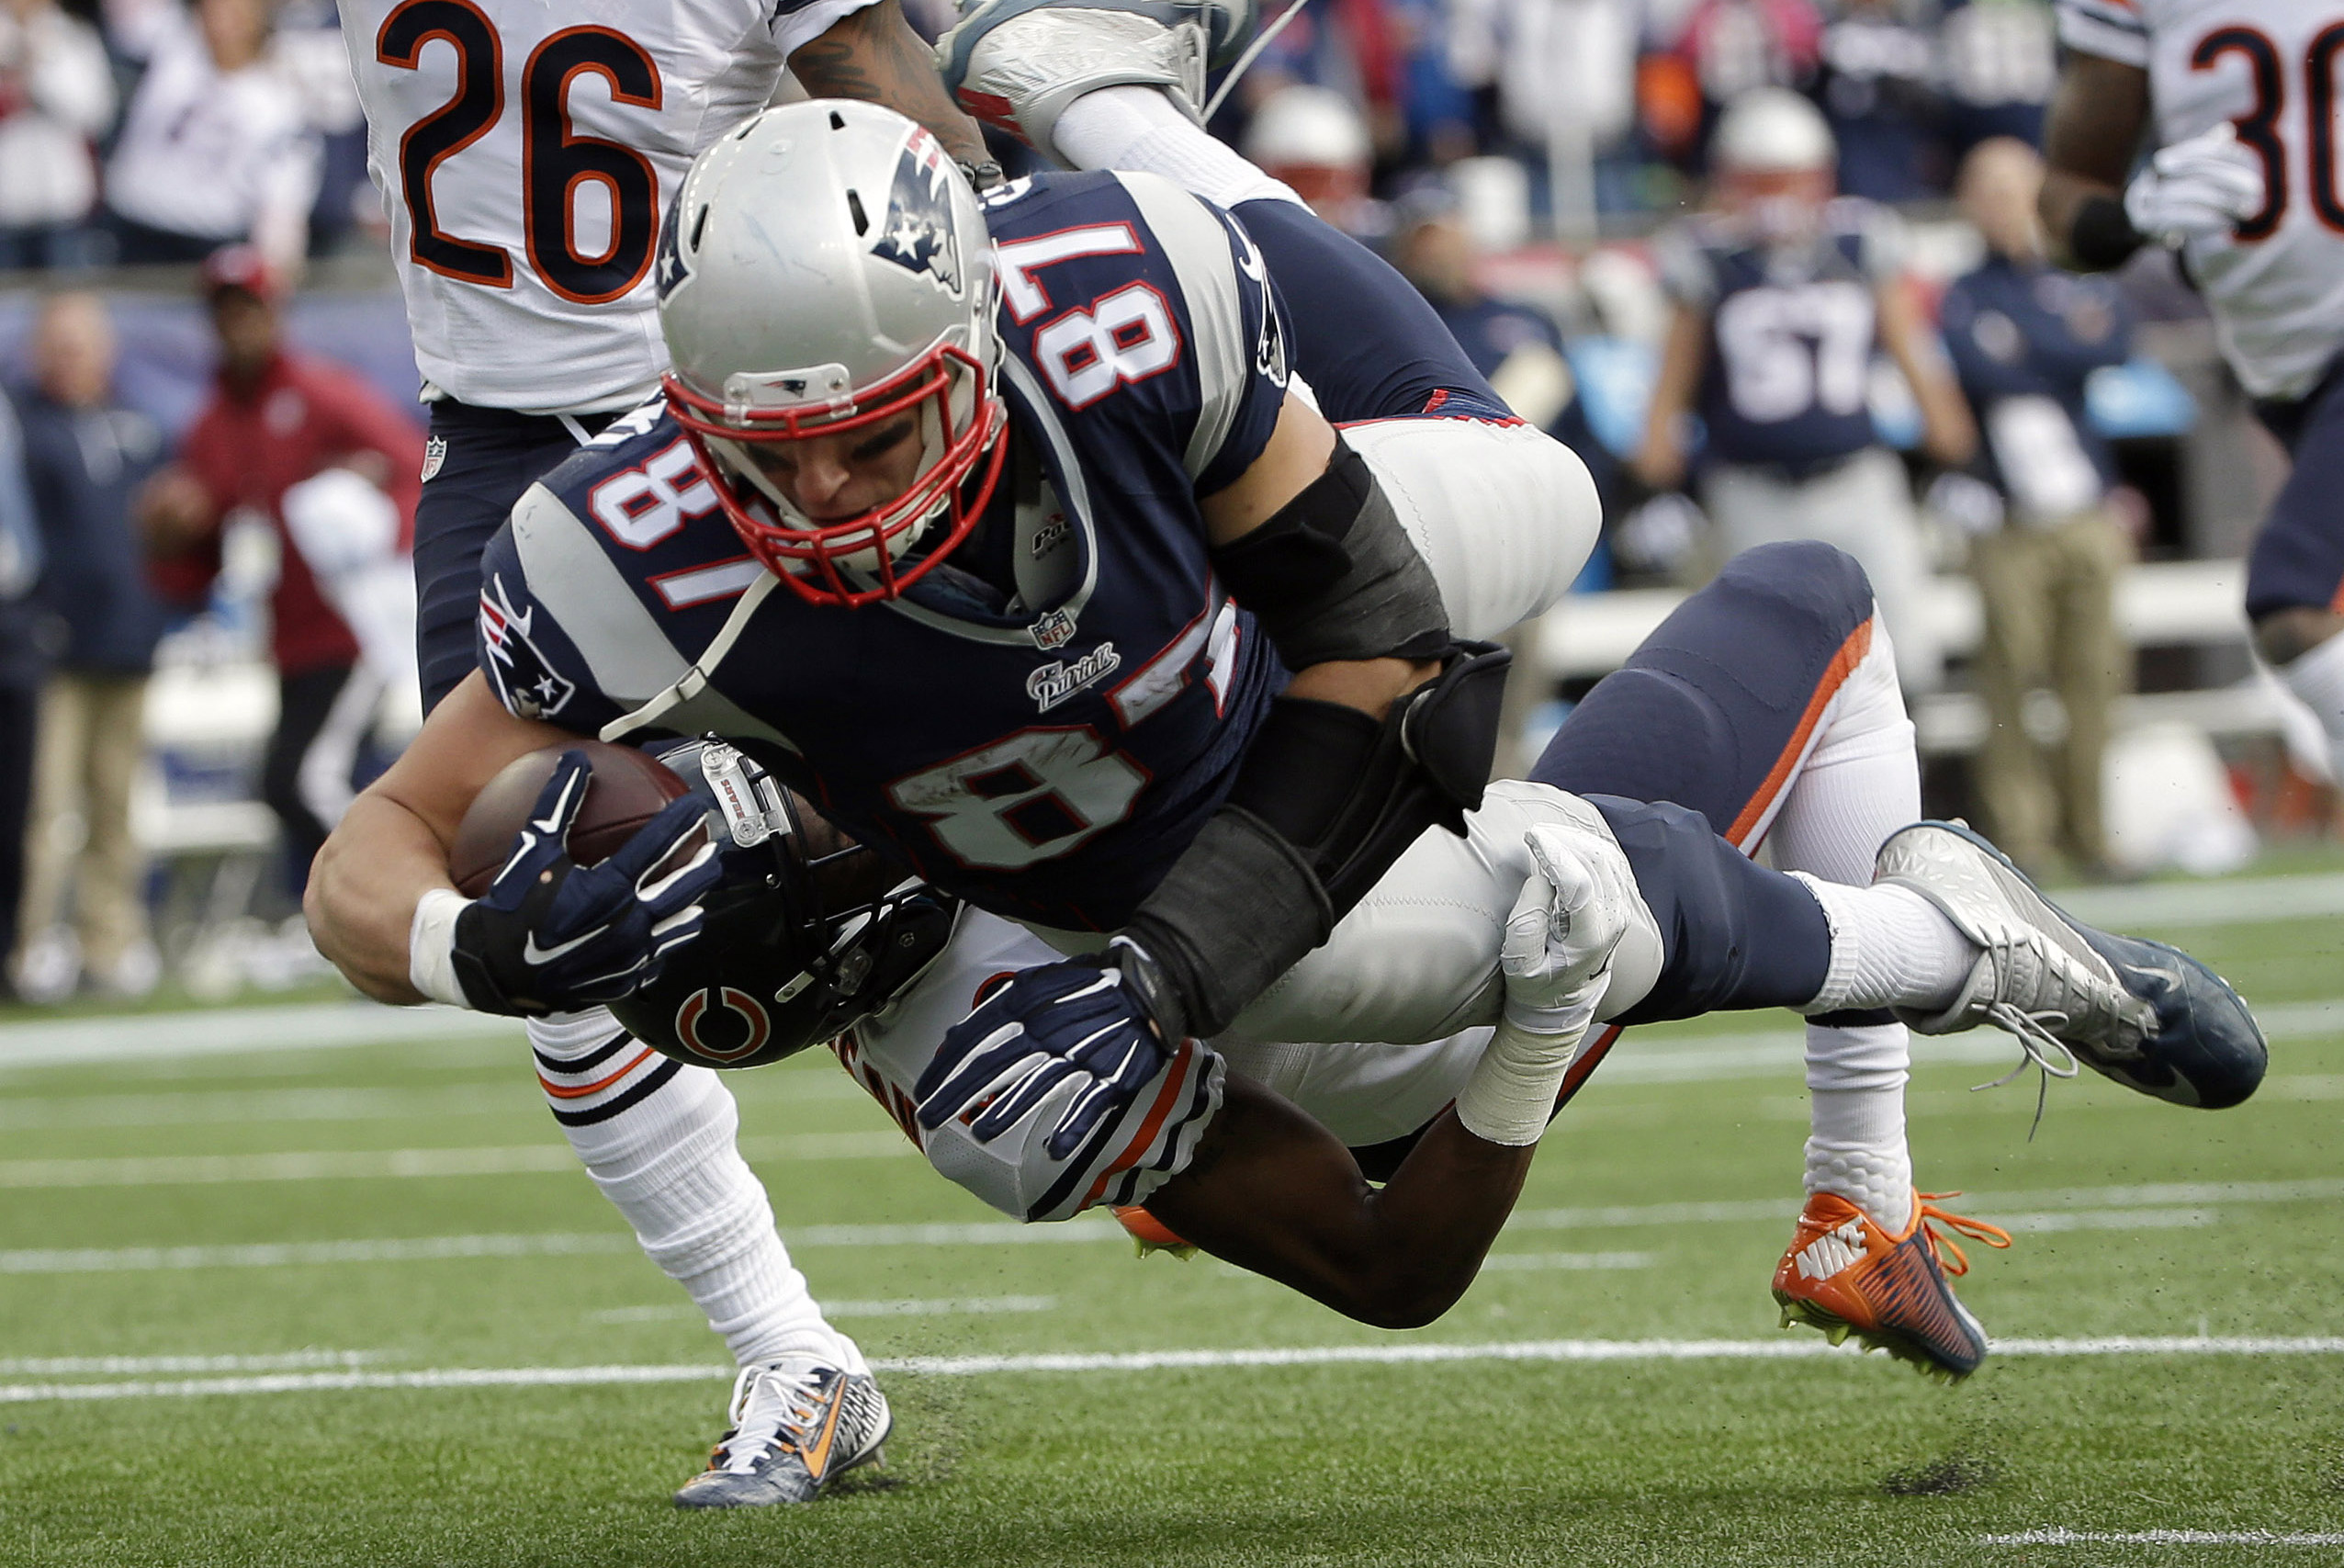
(695, 679)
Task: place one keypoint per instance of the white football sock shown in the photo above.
(2318, 677)
(659, 1139)
(1890, 947)
(1860, 782)
(1855, 1082)
(1138, 129)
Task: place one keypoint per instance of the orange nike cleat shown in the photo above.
(1845, 1275)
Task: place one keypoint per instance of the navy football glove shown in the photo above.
(552, 936)
(1080, 1030)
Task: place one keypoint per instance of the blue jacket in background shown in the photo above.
(82, 467)
(2025, 329)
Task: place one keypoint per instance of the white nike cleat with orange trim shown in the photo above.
(797, 1424)
(1844, 1274)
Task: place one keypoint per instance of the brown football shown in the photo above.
(628, 789)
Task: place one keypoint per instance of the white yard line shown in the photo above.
(1534, 1350)
(183, 1170)
(912, 1306)
(2245, 900)
(154, 1036)
(1538, 1262)
(2061, 1537)
(118, 1366)
(2156, 1206)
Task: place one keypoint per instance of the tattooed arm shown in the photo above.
(874, 55)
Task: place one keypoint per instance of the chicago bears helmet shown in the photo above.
(825, 270)
(801, 938)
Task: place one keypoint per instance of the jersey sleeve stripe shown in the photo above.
(1197, 247)
(2111, 29)
(572, 579)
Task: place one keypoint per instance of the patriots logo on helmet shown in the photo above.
(525, 682)
(917, 233)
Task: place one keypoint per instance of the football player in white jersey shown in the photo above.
(526, 154)
(2237, 98)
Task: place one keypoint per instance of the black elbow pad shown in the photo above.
(2103, 238)
(1333, 576)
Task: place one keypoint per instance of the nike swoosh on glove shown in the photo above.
(552, 936)
(2201, 185)
(1558, 941)
(1076, 1035)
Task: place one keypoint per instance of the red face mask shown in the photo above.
(814, 560)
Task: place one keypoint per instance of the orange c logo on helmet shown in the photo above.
(751, 1013)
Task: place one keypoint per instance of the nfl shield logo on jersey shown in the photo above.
(918, 234)
(435, 454)
(525, 682)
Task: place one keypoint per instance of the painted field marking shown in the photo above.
(2246, 900)
(2062, 1537)
(188, 1171)
(1531, 1351)
(2156, 1206)
(912, 1306)
(1531, 1262)
(117, 1366)
(154, 1036)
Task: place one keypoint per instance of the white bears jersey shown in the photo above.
(2276, 283)
(526, 152)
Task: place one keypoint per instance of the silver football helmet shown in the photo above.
(825, 268)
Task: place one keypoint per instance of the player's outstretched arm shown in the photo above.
(874, 55)
(392, 845)
(1271, 1190)
(1948, 432)
(2093, 130)
(1660, 457)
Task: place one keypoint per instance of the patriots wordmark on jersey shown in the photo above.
(2271, 67)
(1792, 330)
(1042, 723)
(525, 152)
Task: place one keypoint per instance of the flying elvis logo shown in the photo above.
(525, 680)
(917, 233)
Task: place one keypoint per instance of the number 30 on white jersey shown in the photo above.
(2275, 69)
(525, 151)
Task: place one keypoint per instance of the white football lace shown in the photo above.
(2032, 1030)
(768, 1408)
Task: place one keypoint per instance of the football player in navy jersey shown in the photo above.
(958, 521)
(1782, 298)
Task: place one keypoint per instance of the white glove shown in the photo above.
(1557, 962)
(1558, 941)
(2196, 188)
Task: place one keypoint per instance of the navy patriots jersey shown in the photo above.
(1043, 721)
(1792, 333)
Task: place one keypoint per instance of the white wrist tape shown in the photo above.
(431, 946)
(1510, 1096)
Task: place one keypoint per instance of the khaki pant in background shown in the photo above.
(92, 741)
(2049, 595)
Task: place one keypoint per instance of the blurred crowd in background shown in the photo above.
(211, 447)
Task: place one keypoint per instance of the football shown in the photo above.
(628, 789)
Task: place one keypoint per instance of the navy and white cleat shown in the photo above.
(1018, 64)
(2147, 1015)
(797, 1424)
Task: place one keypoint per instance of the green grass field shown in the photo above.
(172, 1297)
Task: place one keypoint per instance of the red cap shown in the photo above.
(241, 266)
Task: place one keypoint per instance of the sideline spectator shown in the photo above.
(19, 672)
(56, 97)
(278, 419)
(1782, 296)
(2023, 337)
(84, 457)
(215, 149)
(2002, 61)
(1880, 90)
(1314, 140)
